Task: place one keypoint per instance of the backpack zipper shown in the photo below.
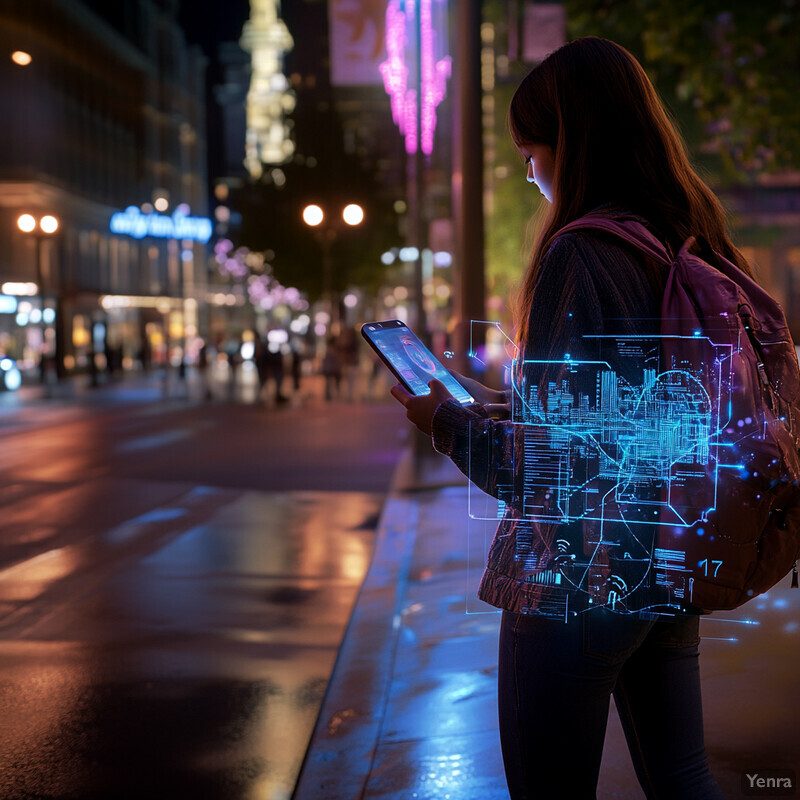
(746, 318)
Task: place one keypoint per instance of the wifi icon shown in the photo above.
(617, 584)
(562, 545)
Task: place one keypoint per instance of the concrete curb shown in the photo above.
(340, 755)
(347, 755)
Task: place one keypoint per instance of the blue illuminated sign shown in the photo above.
(8, 304)
(132, 222)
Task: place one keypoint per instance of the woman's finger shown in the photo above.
(401, 394)
(439, 390)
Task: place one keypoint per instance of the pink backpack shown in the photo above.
(729, 525)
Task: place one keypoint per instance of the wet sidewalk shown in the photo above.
(410, 711)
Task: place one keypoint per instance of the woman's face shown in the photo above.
(540, 160)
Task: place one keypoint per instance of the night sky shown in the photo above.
(210, 22)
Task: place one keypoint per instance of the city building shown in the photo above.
(105, 134)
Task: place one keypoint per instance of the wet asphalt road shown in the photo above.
(175, 580)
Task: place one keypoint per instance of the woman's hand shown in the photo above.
(420, 408)
(482, 394)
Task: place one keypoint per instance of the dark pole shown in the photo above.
(60, 328)
(40, 281)
(60, 324)
(326, 240)
(182, 292)
(468, 179)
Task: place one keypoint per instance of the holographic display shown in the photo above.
(603, 452)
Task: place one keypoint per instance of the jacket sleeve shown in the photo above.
(480, 447)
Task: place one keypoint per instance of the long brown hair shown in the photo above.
(614, 142)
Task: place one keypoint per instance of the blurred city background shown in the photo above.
(200, 203)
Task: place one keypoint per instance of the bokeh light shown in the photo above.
(313, 215)
(49, 224)
(353, 214)
(26, 223)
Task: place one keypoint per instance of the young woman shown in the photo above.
(595, 138)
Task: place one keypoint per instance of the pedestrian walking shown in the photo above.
(595, 138)
(296, 366)
(347, 344)
(232, 347)
(332, 369)
(260, 361)
(203, 363)
(275, 372)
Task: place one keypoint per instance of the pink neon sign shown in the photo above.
(395, 72)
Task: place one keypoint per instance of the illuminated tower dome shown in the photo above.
(267, 39)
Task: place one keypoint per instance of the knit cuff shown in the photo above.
(450, 426)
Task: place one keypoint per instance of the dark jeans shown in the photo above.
(555, 685)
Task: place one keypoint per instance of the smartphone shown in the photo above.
(409, 360)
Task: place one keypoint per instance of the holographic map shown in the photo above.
(600, 453)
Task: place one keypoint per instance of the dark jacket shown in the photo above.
(591, 286)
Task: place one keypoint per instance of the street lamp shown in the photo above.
(313, 215)
(47, 225)
(352, 215)
(21, 58)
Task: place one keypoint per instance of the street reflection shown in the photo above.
(41, 751)
(29, 579)
(204, 663)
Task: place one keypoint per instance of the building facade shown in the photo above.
(107, 114)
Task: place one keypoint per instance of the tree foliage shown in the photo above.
(728, 69)
(515, 204)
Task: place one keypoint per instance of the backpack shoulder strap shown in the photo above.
(629, 230)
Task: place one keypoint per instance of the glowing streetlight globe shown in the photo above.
(21, 58)
(26, 223)
(48, 224)
(353, 214)
(313, 215)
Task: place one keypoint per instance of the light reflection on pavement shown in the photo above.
(195, 670)
(175, 580)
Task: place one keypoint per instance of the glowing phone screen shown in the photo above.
(410, 360)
